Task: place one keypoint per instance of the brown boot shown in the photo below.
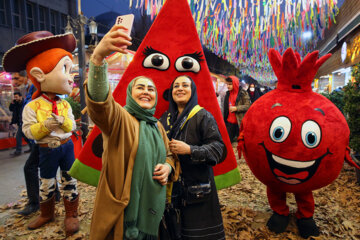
(71, 221)
(47, 210)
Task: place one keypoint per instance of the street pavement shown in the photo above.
(12, 180)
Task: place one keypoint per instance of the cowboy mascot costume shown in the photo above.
(48, 119)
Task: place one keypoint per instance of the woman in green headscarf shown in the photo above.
(130, 198)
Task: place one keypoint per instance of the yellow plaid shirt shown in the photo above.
(40, 109)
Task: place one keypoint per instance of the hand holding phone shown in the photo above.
(126, 21)
(117, 39)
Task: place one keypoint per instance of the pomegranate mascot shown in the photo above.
(294, 140)
(48, 119)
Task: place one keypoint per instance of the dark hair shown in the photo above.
(228, 79)
(17, 93)
(166, 94)
(23, 73)
(187, 76)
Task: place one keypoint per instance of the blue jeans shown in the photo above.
(52, 158)
(19, 136)
(31, 173)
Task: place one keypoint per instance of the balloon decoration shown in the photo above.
(242, 31)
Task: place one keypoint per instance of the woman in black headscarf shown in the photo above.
(254, 93)
(196, 140)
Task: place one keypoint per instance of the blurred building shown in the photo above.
(342, 40)
(18, 17)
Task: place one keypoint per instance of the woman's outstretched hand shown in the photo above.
(161, 173)
(179, 147)
(116, 40)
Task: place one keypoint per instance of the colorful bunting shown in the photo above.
(242, 31)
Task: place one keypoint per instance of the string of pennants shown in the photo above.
(242, 31)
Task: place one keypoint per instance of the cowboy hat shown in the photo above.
(32, 44)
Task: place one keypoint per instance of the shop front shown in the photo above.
(336, 72)
(7, 88)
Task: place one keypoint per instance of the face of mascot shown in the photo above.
(294, 140)
(59, 80)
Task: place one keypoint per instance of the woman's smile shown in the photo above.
(144, 93)
(145, 99)
(181, 90)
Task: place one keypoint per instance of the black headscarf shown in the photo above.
(172, 123)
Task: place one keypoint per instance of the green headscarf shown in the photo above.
(147, 196)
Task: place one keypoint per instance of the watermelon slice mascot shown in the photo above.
(294, 140)
(171, 39)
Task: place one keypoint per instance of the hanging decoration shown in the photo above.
(242, 31)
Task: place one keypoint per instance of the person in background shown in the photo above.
(236, 103)
(221, 90)
(263, 90)
(21, 82)
(196, 139)
(254, 93)
(31, 171)
(276, 83)
(16, 107)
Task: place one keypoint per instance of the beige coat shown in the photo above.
(120, 132)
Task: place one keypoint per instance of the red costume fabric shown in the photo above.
(293, 139)
(170, 49)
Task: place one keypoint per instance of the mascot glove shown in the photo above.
(241, 144)
(51, 124)
(349, 159)
(59, 119)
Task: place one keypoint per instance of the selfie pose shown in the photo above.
(130, 197)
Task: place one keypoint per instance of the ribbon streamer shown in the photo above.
(242, 31)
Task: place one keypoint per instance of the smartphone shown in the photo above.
(126, 21)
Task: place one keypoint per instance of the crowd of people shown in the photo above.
(20, 99)
(234, 98)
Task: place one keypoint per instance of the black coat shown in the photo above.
(207, 149)
(256, 95)
(16, 109)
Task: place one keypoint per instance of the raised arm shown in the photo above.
(113, 41)
(102, 108)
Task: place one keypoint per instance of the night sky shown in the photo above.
(92, 8)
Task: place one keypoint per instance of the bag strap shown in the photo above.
(192, 113)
